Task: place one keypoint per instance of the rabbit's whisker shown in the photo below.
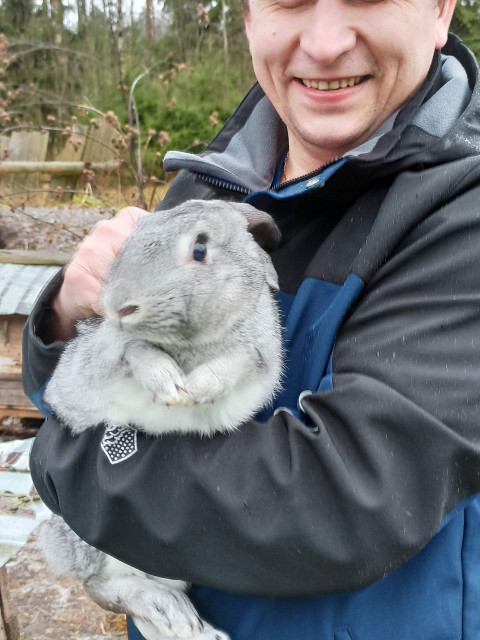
(209, 367)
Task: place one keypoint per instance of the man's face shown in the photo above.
(336, 69)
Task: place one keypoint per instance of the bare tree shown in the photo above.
(148, 10)
(119, 15)
(56, 12)
(82, 16)
(224, 32)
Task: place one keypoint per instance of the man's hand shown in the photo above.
(80, 294)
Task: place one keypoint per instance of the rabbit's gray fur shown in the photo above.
(184, 345)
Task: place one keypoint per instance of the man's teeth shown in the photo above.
(323, 85)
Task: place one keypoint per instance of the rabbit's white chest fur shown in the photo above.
(131, 404)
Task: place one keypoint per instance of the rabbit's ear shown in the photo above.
(271, 275)
(262, 227)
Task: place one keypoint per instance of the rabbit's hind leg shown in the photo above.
(209, 633)
(159, 608)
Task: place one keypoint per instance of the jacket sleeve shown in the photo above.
(281, 509)
(39, 359)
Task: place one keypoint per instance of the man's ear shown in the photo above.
(445, 13)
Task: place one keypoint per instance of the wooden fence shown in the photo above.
(34, 155)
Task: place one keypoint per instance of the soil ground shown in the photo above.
(58, 229)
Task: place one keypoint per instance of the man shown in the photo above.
(353, 511)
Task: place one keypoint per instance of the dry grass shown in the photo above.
(105, 194)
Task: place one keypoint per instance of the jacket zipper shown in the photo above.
(217, 182)
(307, 176)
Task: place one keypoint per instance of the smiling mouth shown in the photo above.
(332, 85)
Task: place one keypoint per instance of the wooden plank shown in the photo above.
(3, 597)
(13, 401)
(28, 145)
(18, 256)
(18, 430)
(54, 167)
(69, 153)
(11, 348)
(11, 390)
(7, 411)
(4, 144)
(3, 633)
(98, 146)
(9, 622)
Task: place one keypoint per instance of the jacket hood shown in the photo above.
(440, 123)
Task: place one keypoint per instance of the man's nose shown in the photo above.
(328, 32)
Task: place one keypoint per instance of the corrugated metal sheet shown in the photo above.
(20, 285)
(21, 511)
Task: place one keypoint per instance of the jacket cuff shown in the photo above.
(39, 359)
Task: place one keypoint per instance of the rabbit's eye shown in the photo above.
(199, 251)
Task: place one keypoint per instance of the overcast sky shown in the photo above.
(137, 5)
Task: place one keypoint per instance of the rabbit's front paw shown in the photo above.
(163, 380)
(204, 385)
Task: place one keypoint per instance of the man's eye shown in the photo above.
(367, 2)
(290, 4)
(199, 251)
(294, 4)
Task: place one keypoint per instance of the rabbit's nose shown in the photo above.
(127, 311)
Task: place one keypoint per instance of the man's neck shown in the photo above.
(299, 162)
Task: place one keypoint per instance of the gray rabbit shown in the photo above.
(190, 342)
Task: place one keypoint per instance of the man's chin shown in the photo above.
(332, 143)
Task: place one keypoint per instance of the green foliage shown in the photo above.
(189, 104)
(15, 16)
(466, 24)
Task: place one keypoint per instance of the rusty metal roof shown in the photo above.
(20, 286)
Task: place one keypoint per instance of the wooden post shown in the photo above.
(27, 256)
(8, 622)
(45, 181)
(53, 167)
